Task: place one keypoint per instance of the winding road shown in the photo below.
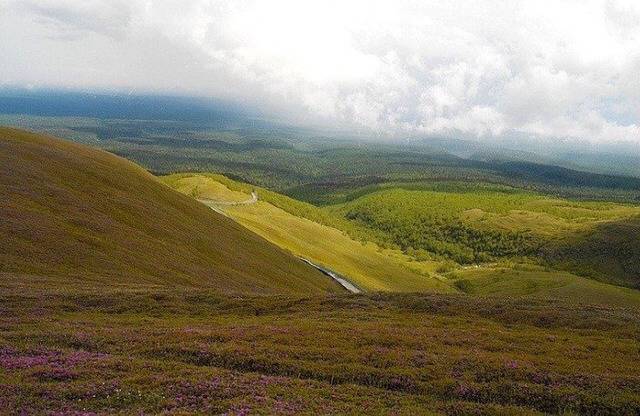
(214, 205)
(345, 283)
(252, 200)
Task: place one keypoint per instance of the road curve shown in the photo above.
(345, 283)
(252, 200)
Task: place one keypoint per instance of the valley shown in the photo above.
(327, 237)
(123, 292)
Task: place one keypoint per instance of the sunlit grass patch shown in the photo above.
(364, 263)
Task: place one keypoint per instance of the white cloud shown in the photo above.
(566, 68)
(69, 19)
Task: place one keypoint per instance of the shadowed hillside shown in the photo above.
(79, 214)
(608, 252)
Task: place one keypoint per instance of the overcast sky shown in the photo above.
(471, 68)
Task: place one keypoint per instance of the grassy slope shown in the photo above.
(527, 281)
(82, 214)
(364, 264)
(608, 251)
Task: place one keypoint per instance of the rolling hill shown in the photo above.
(608, 251)
(298, 231)
(340, 245)
(295, 162)
(80, 215)
(595, 239)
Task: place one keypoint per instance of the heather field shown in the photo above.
(140, 350)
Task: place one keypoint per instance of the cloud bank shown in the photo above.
(561, 69)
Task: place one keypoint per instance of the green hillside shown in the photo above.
(301, 228)
(82, 215)
(509, 281)
(343, 246)
(608, 251)
(597, 239)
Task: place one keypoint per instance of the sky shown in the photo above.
(478, 69)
